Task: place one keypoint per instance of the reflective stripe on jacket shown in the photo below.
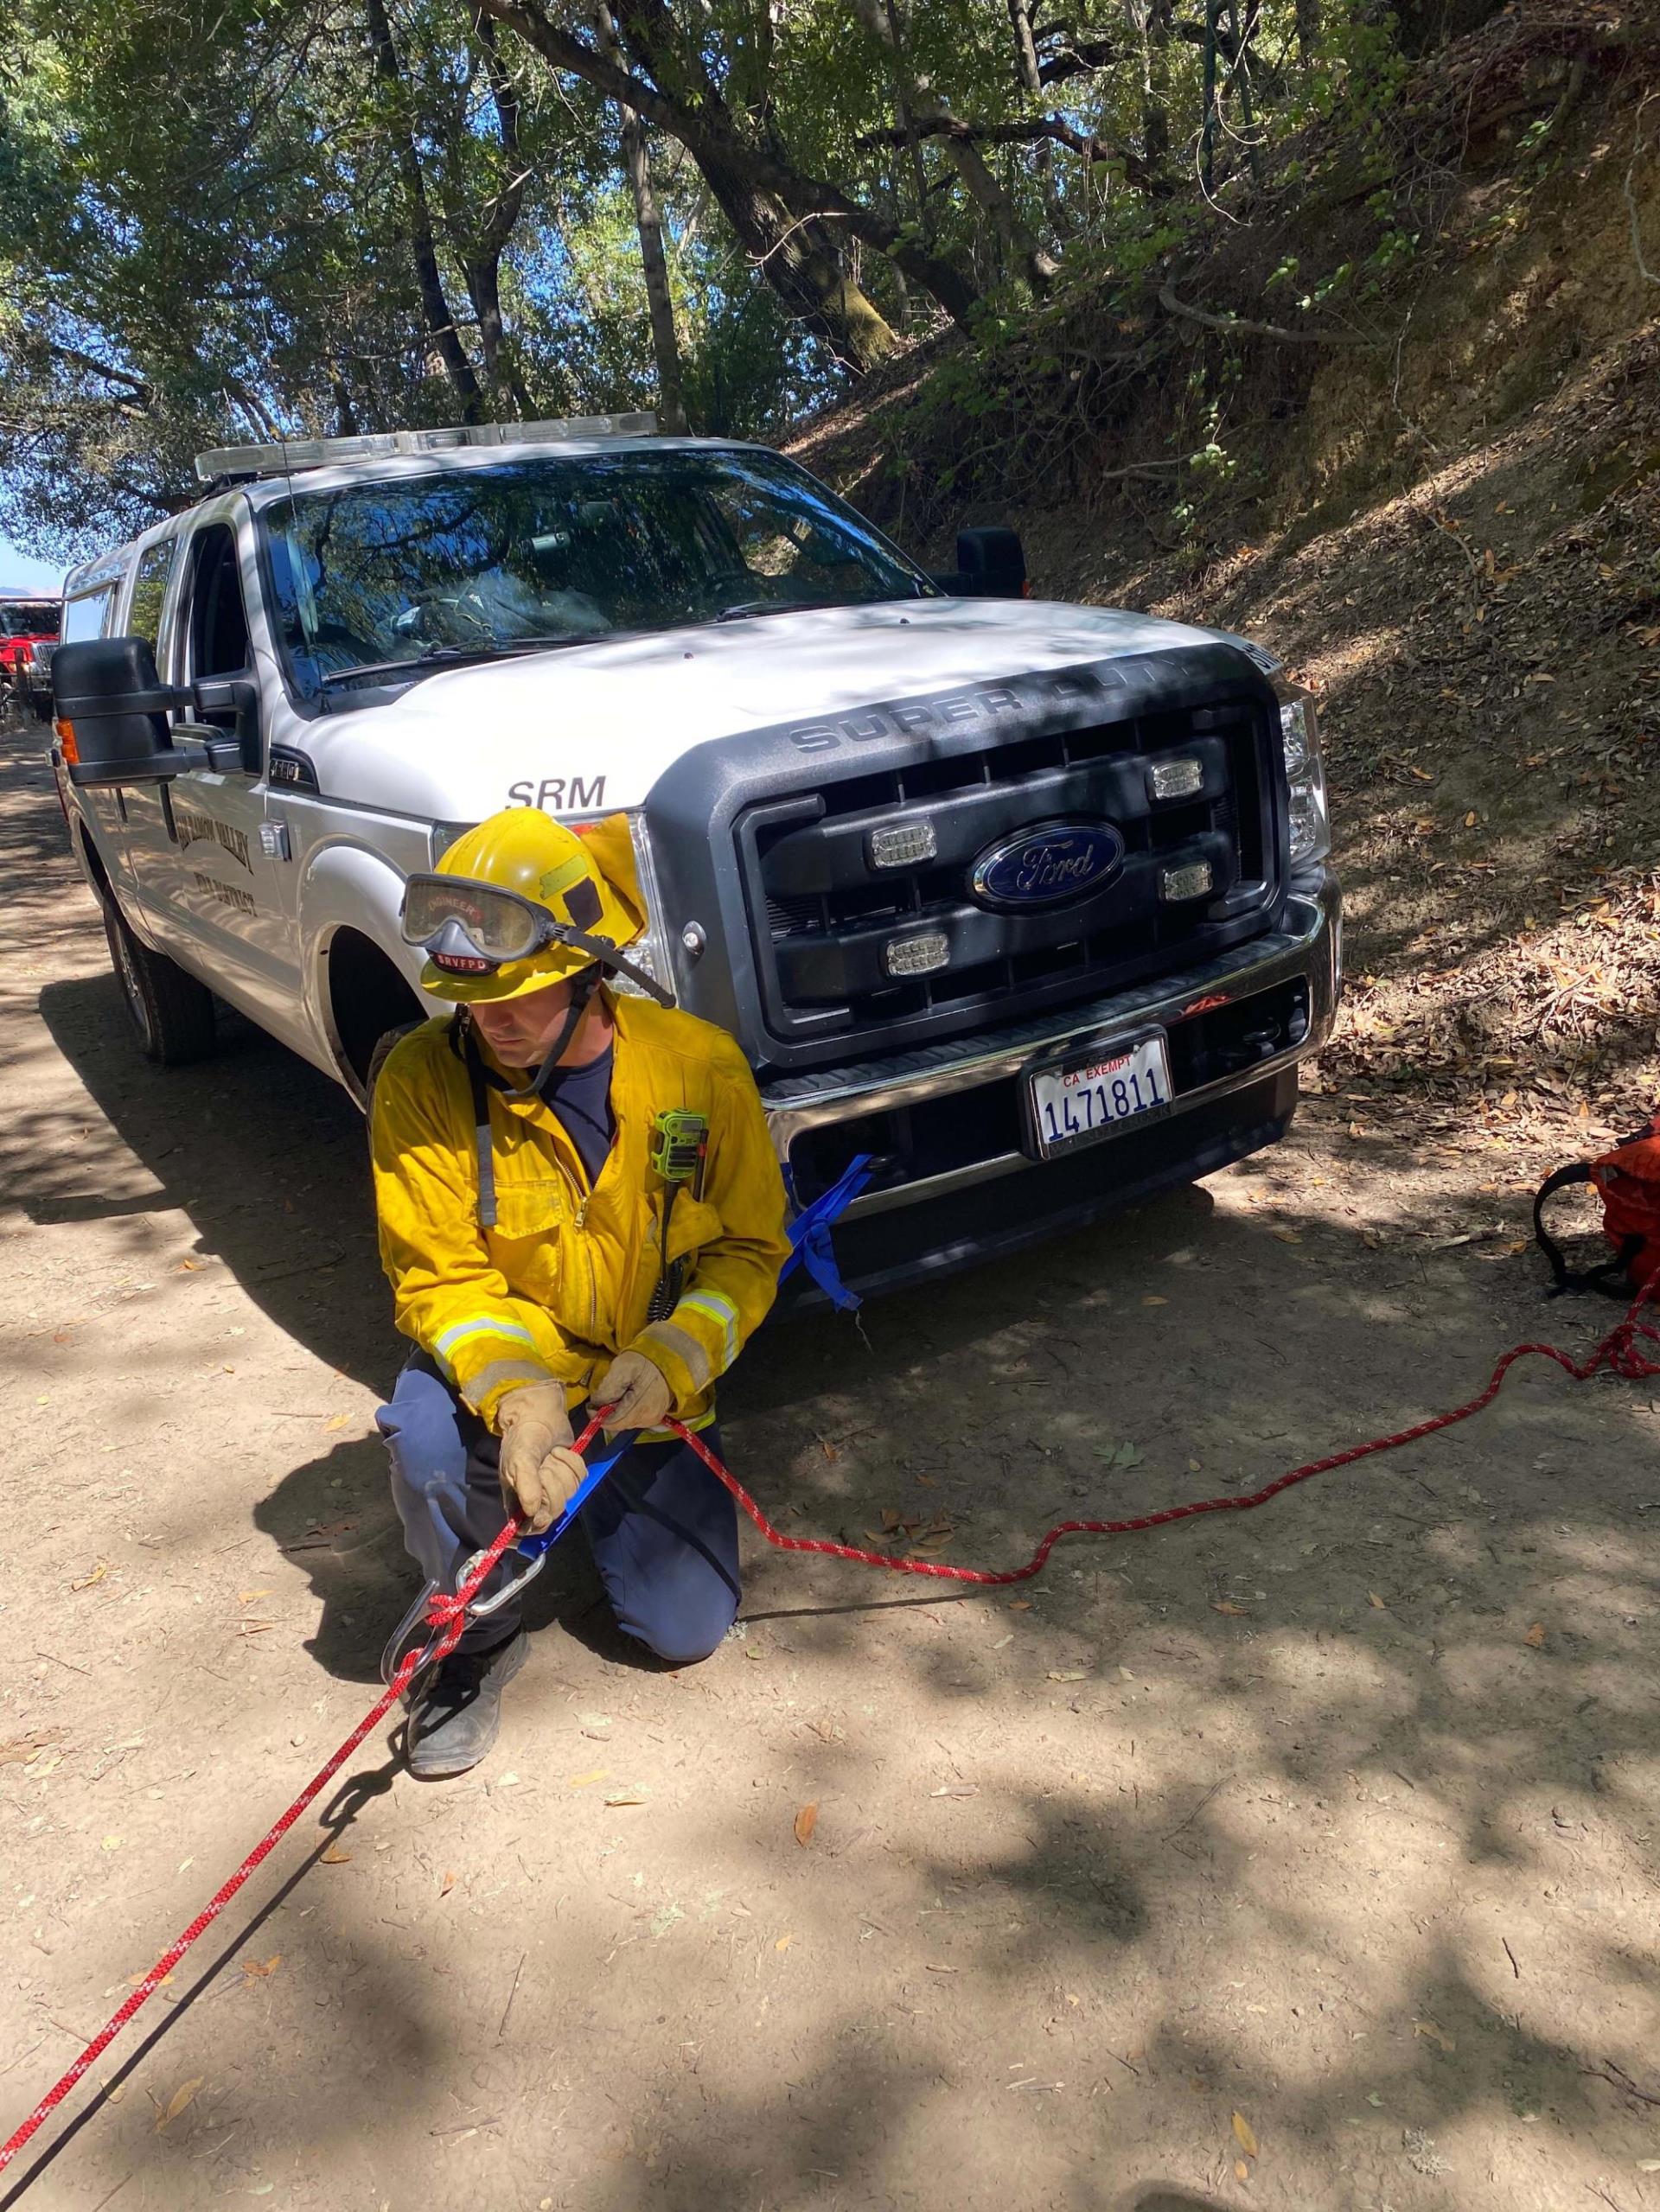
(564, 1278)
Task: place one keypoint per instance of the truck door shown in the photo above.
(143, 838)
(208, 886)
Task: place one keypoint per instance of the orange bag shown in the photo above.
(1627, 1180)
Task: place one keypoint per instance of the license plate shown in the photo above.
(1084, 1100)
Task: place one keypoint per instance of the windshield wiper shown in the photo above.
(455, 656)
(744, 609)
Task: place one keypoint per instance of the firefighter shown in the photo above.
(578, 1205)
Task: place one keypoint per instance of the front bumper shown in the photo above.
(944, 1121)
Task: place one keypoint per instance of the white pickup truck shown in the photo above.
(1030, 900)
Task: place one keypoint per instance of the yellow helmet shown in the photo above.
(520, 901)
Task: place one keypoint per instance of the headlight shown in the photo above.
(649, 951)
(1299, 736)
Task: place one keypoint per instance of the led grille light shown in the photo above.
(1190, 883)
(902, 848)
(1176, 779)
(908, 956)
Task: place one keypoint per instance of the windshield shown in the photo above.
(382, 577)
(28, 617)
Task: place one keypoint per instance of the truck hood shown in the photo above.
(590, 728)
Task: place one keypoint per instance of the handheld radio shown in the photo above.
(678, 1150)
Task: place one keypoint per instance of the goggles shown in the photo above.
(468, 928)
(471, 928)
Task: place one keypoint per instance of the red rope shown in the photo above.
(1618, 1353)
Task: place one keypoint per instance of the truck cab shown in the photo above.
(1030, 901)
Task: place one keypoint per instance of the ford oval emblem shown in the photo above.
(1047, 863)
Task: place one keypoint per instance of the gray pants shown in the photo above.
(662, 1531)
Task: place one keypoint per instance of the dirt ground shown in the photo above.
(1302, 1859)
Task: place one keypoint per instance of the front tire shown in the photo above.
(171, 1013)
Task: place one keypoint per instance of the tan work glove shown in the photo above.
(637, 1392)
(540, 1473)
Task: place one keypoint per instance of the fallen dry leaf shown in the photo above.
(625, 1797)
(783, 1943)
(1155, 1302)
(340, 1421)
(805, 1820)
(1019, 1605)
(1246, 2135)
(247, 1596)
(1242, 2171)
(97, 1575)
(181, 2096)
(1431, 2033)
(335, 1856)
(1226, 1605)
(446, 1886)
(259, 1969)
(1069, 1674)
(1535, 1635)
(1373, 1599)
(594, 1773)
(1285, 1236)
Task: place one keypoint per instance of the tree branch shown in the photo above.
(137, 385)
(1237, 326)
(1084, 143)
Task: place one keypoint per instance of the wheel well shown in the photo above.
(94, 866)
(367, 997)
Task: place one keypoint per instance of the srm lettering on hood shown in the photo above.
(560, 793)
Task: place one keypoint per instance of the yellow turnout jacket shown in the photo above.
(564, 1278)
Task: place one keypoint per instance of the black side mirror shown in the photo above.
(111, 710)
(991, 564)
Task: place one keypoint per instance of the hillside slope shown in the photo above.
(1451, 531)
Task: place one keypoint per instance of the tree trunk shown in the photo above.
(1308, 30)
(785, 218)
(481, 262)
(1031, 79)
(1155, 85)
(1018, 248)
(636, 159)
(442, 334)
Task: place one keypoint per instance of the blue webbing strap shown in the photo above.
(809, 1234)
(809, 1248)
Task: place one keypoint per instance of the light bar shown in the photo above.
(289, 454)
(901, 848)
(1176, 779)
(1191, 882)
(908, 956)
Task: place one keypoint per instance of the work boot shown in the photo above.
(456, 1711)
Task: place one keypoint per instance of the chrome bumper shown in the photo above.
(1309, 945)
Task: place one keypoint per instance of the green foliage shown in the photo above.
(261, 217)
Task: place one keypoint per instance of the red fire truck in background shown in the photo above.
(29, 631)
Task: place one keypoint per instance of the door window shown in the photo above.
(214, 619)
(83, 617)
(148, 591)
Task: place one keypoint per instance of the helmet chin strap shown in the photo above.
(583, 987)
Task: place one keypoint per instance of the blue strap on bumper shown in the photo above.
(809, 1234)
